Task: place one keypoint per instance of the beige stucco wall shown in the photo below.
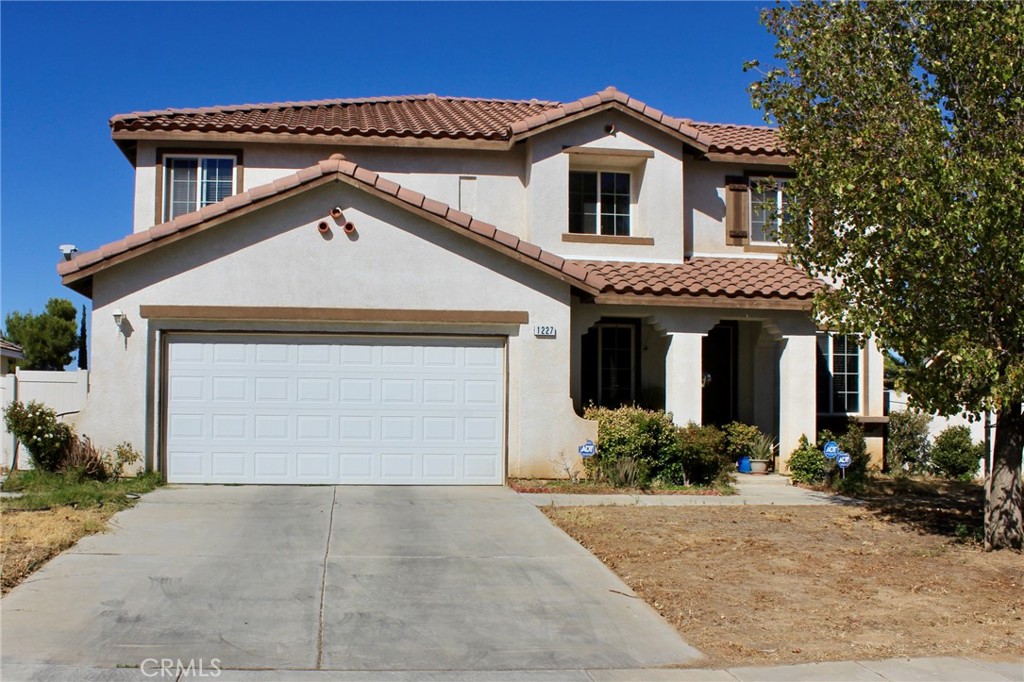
(704, 200)
(499, 176)
(657, 183)
(276, 257)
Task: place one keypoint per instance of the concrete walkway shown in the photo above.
(753, 490)
(294, 578)
(892, 670)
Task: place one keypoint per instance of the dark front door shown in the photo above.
(718, 404)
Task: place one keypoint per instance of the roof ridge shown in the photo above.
(301, 104)
(747, 126)
(614, 96)
(337, 164)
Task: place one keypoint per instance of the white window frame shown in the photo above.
(755, 181)
(629, 216)
(829, 348)
(198, 158)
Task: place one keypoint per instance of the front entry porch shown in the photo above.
(707, 366)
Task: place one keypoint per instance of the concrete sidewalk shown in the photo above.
(891, 670)
(753, 490)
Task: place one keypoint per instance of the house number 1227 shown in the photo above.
(544, 331)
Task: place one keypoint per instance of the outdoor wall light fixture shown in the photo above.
(118, 318)
(705, 379)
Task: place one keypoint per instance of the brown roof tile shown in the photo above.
(737, 139)
(431, 116)
(728, 277)
(405, 116)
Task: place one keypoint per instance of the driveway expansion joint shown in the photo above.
(323, 584)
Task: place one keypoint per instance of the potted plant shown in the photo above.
(762, 454)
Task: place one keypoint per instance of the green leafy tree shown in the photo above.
(83, 344)
(48, 338)
(906, 120)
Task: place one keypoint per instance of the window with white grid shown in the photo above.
(191, 182)
(767, 204)
(599, 202)
(838, 374)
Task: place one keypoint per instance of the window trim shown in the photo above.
(736, 184)
(831, 412)
(179, 152)
(780, 183)
(628, 172)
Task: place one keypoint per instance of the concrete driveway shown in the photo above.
(348, 578)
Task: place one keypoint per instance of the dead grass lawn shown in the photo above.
(763, 585)
(31, 538)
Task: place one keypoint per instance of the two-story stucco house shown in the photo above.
(430, 289)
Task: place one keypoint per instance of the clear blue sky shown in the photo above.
(67, 67)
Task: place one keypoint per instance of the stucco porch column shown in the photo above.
(683, 377)
(797, 393)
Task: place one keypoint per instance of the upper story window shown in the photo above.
(191, 182)
(599, 202)
(767, 203)
(838, 374)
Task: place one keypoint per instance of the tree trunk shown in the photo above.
(1004, 526)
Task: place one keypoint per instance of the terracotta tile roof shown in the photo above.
(736, 278)
(409, 116)
(739, 139)
(432, 116)
(79, 270)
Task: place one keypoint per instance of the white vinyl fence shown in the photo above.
(64, 392)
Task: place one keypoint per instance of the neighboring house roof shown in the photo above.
(734, 279)
(77, 272)
(737, 279)
(431, 117)
(11, 350)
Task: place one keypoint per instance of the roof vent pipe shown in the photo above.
(323, 227)
(336, 213)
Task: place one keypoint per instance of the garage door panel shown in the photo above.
(273, 466)
(349, 410)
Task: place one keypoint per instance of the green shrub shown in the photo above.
(954, 455)
(807, 464)
(124, 455)
(853, 443)
(637, 446)
(36, 426)
(645, 436)
(907, 450)
(740, 440)
(627, 473)
(702, 458)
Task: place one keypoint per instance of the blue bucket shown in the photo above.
(744, 465)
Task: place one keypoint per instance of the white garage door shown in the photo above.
(365, 410)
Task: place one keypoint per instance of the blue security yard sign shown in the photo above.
(844, 460)
(588, 449)
(831, 449)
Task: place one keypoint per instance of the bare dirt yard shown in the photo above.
(754, 585)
